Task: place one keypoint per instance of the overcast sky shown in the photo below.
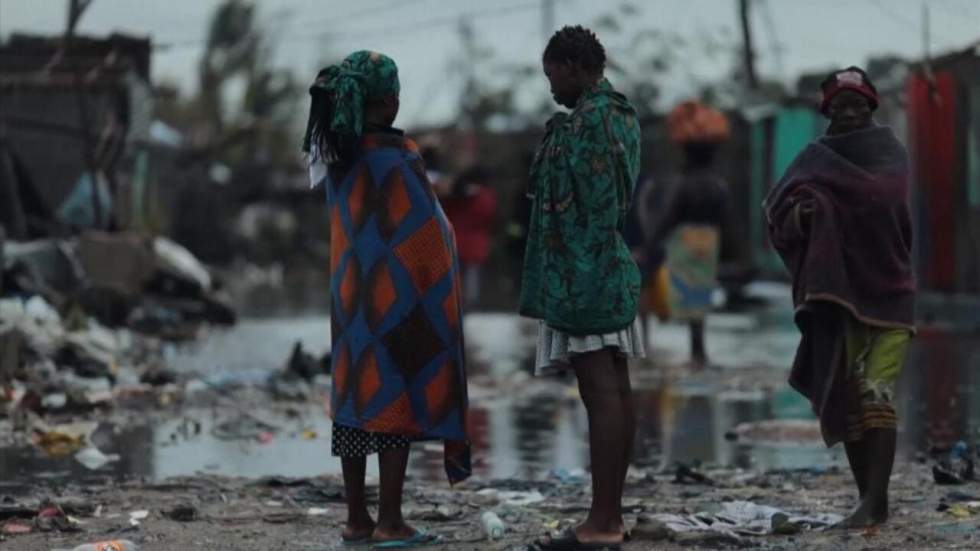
(791, 36)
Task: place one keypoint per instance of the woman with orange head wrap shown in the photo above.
(696, 209)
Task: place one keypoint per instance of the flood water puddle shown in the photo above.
(512, 439)
(522, 427)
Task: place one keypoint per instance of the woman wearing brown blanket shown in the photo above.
(840, 220)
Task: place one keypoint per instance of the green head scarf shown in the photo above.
(340, 93)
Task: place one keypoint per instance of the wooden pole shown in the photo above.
(748, 54)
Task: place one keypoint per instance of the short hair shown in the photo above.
(576, 45)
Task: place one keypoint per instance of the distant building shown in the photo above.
(51, 99)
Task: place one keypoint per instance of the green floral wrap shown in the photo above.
(579, 275)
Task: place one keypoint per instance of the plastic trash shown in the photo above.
(686, 474)
(442, 513)
(136, 516)
(303, 364)
(177, 260)
(650, 529)
(961, 461)
(244, 427)
(182, 513)
(565, 476)
(114, 545)
(61, 440)
(94, 459)
(15, 528)
(782, 526)
(237, 378)
(957, 468)
(52, 518)
(493, 527)
(964, 510)
(745, 518)
(58, 400)
(520, 499)
(77, 209)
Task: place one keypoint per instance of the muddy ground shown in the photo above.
(277, 513)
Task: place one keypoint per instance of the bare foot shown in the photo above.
(396, 531)
(358, 529)
(587, 533)
(620, 528)
(869, 513)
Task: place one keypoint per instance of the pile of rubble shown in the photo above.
(82, 320)
(151, 285)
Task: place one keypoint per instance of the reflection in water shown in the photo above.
(539, 426)
(689, 425)
(22, 469)
(940, 391)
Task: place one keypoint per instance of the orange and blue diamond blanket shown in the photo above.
(396, 324)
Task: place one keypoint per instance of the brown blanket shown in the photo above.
(840, 221)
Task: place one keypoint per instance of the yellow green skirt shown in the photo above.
(874, 359)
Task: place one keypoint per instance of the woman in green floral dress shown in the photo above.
(579, 278)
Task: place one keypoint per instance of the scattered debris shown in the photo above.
(244, 427)
(52, 518)
(12, 509)
(177, 261)
(965, 510)
(520, 499)
(118, 262)
(493, 527)
(14, 528)
(182, 513)
(777, 430)
(565, 476)
(157, 374)
(63, 440)
(94, 459)
(782, 526)
(135, 517)
(303, 364)
(733, 519)
(114, 545)
(961, 496)
(956, 468)
(650, 529)
(442, 513)
(686, 474)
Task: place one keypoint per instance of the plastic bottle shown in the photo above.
(959, 450)
(961, 462)
(493, 527)
(114, 545)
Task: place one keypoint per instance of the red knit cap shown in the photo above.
(851, 78)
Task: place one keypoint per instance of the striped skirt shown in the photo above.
(556, 348)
